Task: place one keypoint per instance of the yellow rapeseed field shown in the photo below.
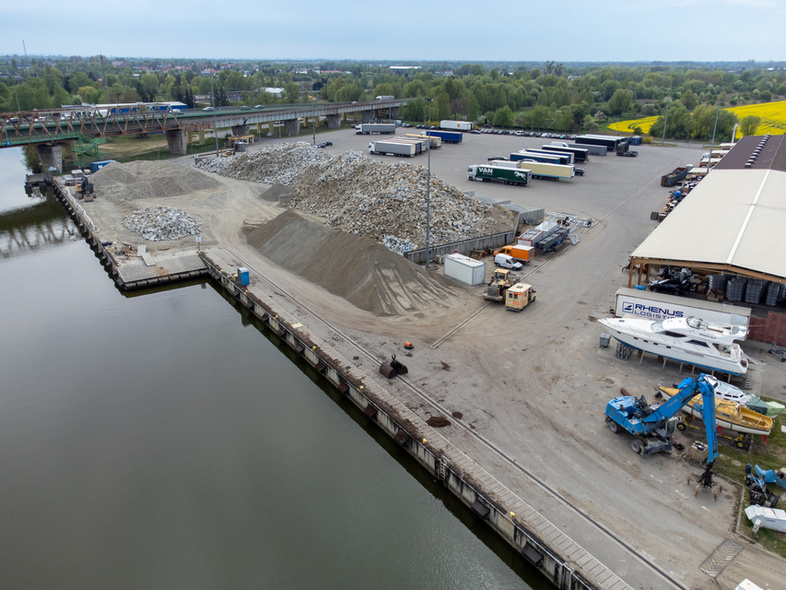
(773, 119)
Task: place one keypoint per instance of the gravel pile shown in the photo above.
(143, 180)
(157, 224)
(358, 195)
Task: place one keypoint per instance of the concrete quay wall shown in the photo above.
(563, 562)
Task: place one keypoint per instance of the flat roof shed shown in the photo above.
(734, 221)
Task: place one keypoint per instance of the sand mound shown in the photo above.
(357, 268)
(144, 180)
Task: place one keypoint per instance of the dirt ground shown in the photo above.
(533, 384)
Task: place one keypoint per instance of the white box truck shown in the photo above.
(367, 128)
(465, 269)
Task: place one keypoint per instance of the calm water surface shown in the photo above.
(161, 440)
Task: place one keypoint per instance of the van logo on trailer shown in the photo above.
(650, 311)
(483, 170)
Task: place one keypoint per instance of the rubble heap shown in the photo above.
(280, 163)
(157, 224)
(359, 195)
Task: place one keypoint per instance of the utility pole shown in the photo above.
(666, 119)
(215, 122)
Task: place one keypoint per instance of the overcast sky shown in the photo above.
(519, 30)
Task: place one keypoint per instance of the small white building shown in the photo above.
(465, 269)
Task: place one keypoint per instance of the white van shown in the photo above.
(507, 261)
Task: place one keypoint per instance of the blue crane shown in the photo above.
(653, 425)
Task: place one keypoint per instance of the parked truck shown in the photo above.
(446, 136)
(546, 171)
(491, 173)
(456, 125)
(392, 148)
(521, 253)
(368, 128)
(612, 143)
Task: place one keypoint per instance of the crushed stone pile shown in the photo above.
(361, 196)
(280, 163)
(357, 268)
(143, 180)
(157, 224)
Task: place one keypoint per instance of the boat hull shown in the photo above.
(728, 415)
(697, 355)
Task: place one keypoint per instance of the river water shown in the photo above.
(162, 440)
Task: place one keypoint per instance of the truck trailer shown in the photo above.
(545, 171)
(661, 306)
(446, 136)
(549, 157)
(523, 155)
(456, 125)
(612, 143)
(491, 173)
(367, 128)
(421, 144)
(579, 154)
(434, 140)
(392, 148)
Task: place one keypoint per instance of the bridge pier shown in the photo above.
(176, 139)
(51, 156)
(240, 130)
(366, 116)
(333, 121)
(292, 127)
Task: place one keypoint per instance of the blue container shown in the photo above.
(242, 275)
(96, 166)
(640, 287)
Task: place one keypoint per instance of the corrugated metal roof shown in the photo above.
(756, 153)
(734, 217)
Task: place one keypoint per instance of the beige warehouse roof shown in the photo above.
(733, 218)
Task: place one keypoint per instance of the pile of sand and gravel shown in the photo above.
(359, 195)
(356, 268)
(146, 180)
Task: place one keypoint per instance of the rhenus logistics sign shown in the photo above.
(658, 306)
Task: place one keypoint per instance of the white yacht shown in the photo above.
(689, 340)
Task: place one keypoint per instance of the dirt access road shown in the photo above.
(532, 386)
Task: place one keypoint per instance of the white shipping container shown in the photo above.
(660, 306)
(465, 269)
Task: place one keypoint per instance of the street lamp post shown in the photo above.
(428, 188)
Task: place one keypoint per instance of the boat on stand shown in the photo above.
(691, 340)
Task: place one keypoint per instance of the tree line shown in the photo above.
(688, 99)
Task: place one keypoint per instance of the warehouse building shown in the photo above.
(729, 232)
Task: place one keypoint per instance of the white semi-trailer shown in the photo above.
(546, 171)
(367, 128)
(392, 148)
(660, 306)
(456, 125)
